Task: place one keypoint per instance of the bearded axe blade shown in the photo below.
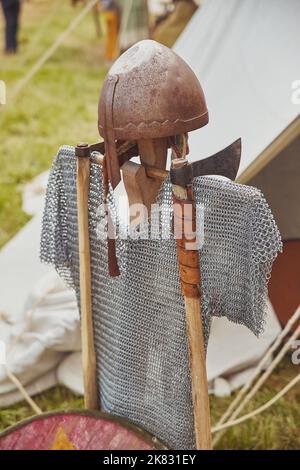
(226, 163)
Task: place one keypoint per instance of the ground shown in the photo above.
(59, 106)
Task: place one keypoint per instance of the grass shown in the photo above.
(59, 106)
(277, 428)
(56, 398)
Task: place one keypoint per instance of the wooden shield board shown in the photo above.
(77, 430)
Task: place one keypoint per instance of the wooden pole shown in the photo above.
(87, 333)
(190, 281)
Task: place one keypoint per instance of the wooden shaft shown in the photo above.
(195, 335)
(198, 374)
(153, 153)
(152, 172)
(87, 333)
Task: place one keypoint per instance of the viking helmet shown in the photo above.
(149, 92)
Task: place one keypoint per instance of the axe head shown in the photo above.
(226, 163)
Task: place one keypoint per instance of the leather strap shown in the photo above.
(185, 234)
(113, 267)
(125, 150)
(113, 167)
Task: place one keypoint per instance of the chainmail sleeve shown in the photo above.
(266, 245)
(240, 242)
(55, 248)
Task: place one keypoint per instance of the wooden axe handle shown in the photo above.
(190, 283)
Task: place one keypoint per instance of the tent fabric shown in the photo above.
(134, 23)
(279, 181)
(244, 54)
(43, 334)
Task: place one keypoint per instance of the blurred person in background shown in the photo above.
(134, 24)
(110, 19)
(125, 22)
(11, 10)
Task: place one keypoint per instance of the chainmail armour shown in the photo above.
(139, 317)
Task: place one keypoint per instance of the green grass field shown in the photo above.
(59, 106)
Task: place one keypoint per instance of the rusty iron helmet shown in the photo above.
(149, 92)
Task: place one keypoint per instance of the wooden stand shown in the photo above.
(87, 332)
(142, 184)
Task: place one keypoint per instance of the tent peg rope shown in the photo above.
(259, 410)
(233, 410)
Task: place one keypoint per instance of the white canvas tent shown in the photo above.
(245, 55)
